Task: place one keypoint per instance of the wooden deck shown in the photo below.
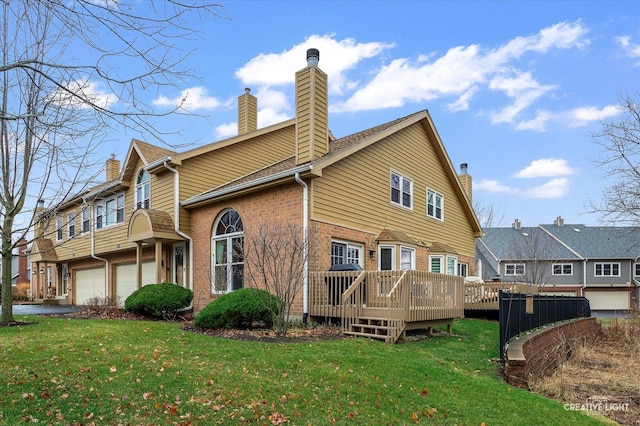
(386, 304)
(485, 296)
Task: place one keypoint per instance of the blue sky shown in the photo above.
(516, 89)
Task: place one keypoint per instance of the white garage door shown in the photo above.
(89, 283)
(126, 278)
(608, 300)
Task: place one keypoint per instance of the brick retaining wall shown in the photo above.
(539, 353)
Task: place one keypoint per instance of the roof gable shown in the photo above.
(144, 152)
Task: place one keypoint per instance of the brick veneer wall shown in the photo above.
(539, 353)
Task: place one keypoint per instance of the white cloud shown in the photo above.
(277, 69)
(538, 123)
(631, 50)
(545, 167)
(555, 188)
(491, 186)
(228, 130)
(521, 87)
(191, 99)
(462, 70)
(82, 92)
(585, 115)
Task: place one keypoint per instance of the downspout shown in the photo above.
(176, 212)
(584, 278)
(94, 256)
(305, 229)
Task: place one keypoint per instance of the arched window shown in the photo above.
(227, 253)
(143, 190)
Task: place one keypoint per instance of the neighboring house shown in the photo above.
(384, 198)
(598, 262)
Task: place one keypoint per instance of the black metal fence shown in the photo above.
(521, 312)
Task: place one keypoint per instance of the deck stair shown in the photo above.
(373, 328)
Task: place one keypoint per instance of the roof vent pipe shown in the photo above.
(313, 57)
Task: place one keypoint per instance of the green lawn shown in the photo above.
(74, 371)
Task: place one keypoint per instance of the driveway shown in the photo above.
(44, 309)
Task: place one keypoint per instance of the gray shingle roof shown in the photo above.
(511, 244)
(599, 242)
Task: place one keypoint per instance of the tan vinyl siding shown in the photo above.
(204, 172)
(355, 192)
(312, 114)
(162, 193)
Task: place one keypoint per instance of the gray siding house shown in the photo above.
(598, 262)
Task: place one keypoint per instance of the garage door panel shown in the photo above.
(89, 283)
(126, 276)
(608, 300)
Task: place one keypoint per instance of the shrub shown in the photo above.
(21, 292)
(238, 309)
(162, 300)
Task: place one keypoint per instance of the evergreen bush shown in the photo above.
(238, 309)
(162, 300)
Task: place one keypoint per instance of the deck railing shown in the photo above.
(397, 296)
(486, 296)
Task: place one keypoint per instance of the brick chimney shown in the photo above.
(465, 179)
(247, 112)
(113, 168)
(312, 116)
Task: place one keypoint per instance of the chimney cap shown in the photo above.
(463, 168)
(247, 90)
(313, 57)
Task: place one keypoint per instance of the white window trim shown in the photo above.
(515, 269)
(350, 245)
(442, 262)
(140, 188)
(455, 265)
(412, 250)
(71, 225)
(86, 211)
(465, 266)
(636, 269)
(436, 195)
(59, 229)
(561, 265)
(105, 213)
(606, 275)
(402, 178)
(393, 255)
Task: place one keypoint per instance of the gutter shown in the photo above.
(584, 278)
(305, 227)
(92, 238)
(234, 188)
(176, 210)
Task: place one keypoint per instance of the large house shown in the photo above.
(598, 262)
(384, 198)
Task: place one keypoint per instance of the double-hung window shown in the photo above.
(636, 269)
(607, 269)
(110, 211)
(86, 220)
(436, 264)
(343, 252)
(59, 228)
(401, 190)
(514, 269)
(562, 269)
(143, 190)
(435, 205)
(71, 226)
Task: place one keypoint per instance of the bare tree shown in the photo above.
(534, 249)
(72, 72)
(620, 141)
(488, 215)
(276, 258)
